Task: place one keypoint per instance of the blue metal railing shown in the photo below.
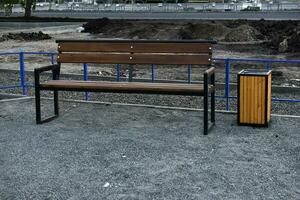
(227, 62)
(152, 73)
(85, 78)
(268, 63)
(21, 55)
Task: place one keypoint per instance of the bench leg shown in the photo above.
(38, 105)
(205, 122)
(212, 104)
(56, 107)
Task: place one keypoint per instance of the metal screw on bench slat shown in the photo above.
(130, 58)
(210, 48)
(131, 47)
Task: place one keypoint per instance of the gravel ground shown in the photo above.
(97, 151)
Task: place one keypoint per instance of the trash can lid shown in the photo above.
(255, 72)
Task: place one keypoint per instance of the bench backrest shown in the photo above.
(196, 52)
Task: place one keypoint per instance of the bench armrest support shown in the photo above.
(46, 68)
(209, 77)
(55, 76)
(209, 87)
(55, 72)
(210, 71)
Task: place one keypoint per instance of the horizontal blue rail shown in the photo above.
(257, 60)
(227, 61)
(28, 53)
(9, 87)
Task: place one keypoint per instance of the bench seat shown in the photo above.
(126, 87)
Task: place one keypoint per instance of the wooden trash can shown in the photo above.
(254, 97)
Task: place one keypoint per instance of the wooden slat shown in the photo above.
(253, 97)
(250, 105)
(127, 87)
(269, 97)
(246, 89)
(241, 106)
(246, 98)
(135, 47)
(255, 93)
(253, 108)
(133, 59)
(135, 41)
(260, 101)
(263, 97)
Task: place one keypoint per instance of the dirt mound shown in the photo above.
(234, 23)
(154, 30)
(283, 35)
(243, 33)
(105, 25)
(294, 42)
(272, 28)
(35, 36)
(203, 31)
(132, 29)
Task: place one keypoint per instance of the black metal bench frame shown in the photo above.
(208, 90)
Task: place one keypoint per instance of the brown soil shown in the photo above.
(243, 33)
(274, 33)
(35, 36)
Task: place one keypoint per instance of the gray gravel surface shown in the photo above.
(96, 151)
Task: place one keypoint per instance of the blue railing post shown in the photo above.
(22, 73)
(268, 65)
(130, 73)
(189, 73)
(152, 72)
(85, 78)
(118, 72)
(52, 59)
(227, 79)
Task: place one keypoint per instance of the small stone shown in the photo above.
(106, 184)
(283, 46)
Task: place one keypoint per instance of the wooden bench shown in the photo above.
(130, 52)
